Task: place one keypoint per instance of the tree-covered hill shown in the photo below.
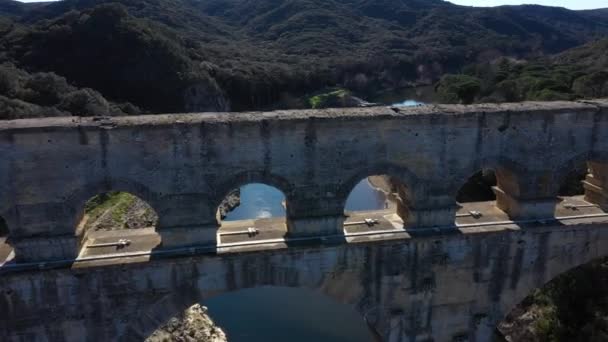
(580, 72)
(196, 55)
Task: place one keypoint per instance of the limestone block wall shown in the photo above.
(184, 164)
(453, 287)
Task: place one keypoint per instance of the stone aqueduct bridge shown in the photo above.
(429, 281)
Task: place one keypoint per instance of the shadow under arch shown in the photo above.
(575, 163)
(506, 171)
(3, 227)
(565, 170)
(5, 247)
(478, 188)
(163, 309)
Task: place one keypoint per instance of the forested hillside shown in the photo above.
(580, 72)
(199, 55)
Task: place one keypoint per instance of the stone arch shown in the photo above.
(591, 246)
(163, 308)
(76, 201)
(248, 177)
(507, 171)
(415, 185)
(563, 170)
(411, 190)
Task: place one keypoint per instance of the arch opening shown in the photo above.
(117, 222)
(573, 198)
(571, 307)
(254, 211)
(478, 188)
(377, 201)
(476, 199)
(6, 250)
(260, 314)
(572, 185)
(3, 228)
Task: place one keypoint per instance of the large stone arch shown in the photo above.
(159, 312)
(75, 202)
(247, 177)
(595, 163)
(581, 246)
(563, 170)
(280, 272)
(507, 171)
(416, 186)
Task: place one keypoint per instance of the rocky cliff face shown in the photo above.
(229, 203)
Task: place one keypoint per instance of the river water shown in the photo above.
(263, 201)
(291, 315)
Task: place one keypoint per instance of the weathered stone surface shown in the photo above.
(183, 165)
(439, 287)
(443, 287)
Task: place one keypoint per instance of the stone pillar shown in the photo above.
(429, 217)
(596, 184)
(186, 221)
(315, 226)
(526, 196)
(424, 210)
(525, 208)
(310, 215)
(42, 232)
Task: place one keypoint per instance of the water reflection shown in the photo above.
(365, 197)
(406, 96)
(285, 314)
(263, 201)
(407, 103)
(258, 201)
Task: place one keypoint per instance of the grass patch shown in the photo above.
(118, 202)
(327, 99)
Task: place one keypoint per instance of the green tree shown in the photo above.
(458, 88)
(593, 85)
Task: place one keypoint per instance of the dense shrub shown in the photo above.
(25, 95)
(458, 88)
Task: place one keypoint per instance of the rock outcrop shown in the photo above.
(193, 325)
(229, 203)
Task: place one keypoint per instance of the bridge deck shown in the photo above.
(272, 231)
